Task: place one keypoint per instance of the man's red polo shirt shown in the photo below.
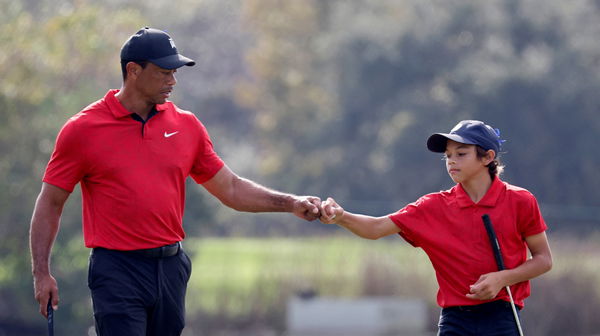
(132, 174)
(448, 227)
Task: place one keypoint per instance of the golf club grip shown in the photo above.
(50, 318)
(494, 241)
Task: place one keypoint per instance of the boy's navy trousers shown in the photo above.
(490, 319)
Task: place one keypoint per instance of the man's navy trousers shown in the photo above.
(139, 293)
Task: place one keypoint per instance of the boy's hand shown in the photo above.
(331, 212)
(487, 287)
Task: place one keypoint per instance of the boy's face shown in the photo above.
(462, 162)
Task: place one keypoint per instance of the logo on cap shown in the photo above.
(172, 43)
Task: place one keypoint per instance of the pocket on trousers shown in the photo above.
(90, 270)
(187, 264)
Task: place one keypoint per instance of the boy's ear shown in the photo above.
(491, 155)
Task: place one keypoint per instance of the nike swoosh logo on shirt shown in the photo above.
(170, 134)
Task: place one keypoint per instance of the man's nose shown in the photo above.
(172, 80)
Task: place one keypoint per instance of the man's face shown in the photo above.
(154, 83)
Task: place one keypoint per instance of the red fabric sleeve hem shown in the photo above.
(210, 174)
(64, 186)
(402, 233)
(535, 231)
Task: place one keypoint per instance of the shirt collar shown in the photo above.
(118, 110)
(489, 200)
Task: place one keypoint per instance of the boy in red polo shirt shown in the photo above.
(447, 225)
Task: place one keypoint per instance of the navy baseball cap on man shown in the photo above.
(470, 132)
(156, 47)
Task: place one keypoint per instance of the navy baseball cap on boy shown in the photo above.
(470, 132)
(154, 46)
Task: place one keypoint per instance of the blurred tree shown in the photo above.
(317, 97)
(290, 89)
(346, 93)
(54, 57)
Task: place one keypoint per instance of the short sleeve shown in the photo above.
(207, 163)
(530, 221)
(66, 166)
(410, 220)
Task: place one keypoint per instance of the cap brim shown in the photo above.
(172, 61)
(437, 142)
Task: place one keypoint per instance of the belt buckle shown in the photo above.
(167, 248)
(164, 251)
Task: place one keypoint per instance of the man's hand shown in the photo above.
(487, 287)
(331, 212)
(307, 207)
(45, 287)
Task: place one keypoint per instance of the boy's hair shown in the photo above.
(495, 167)
(124, 66)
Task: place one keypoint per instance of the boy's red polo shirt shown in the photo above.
(447, 225)
(132, 174)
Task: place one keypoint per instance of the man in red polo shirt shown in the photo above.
(132, 151)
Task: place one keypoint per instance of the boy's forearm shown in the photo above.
(530, 269)
(361, 225)
(539, 263)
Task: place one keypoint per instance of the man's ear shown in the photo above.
(133, 69)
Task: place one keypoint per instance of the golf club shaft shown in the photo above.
(500, 262)
(50, 318)
(514, 310)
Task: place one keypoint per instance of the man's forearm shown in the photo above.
(44, 226)
(250, 196)
(244, 195)
(41, 238)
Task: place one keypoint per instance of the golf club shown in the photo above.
(50, 318)
(498, 255)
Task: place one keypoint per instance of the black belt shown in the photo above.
(494, 305)
(158, 252)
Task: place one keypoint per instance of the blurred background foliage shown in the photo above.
(331, 98)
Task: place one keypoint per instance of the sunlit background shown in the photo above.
(327, 98)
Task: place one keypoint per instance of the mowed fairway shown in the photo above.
(236, 275)
(238, 282)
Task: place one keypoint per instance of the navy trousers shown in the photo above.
(137, 295)
(489, 319)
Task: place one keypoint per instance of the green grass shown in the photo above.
(235, 275)
(236, 280)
